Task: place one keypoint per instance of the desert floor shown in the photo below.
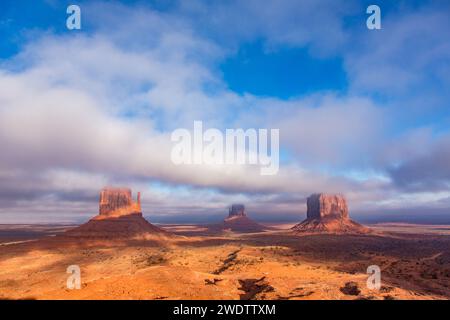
(415, 264)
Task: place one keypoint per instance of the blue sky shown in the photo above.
(285, 73)
(360, 112)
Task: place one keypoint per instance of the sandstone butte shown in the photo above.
(328, 213)
(119, 217)
(238, 221)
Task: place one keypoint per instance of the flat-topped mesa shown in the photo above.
(236, 210)
(321, 205)
(116, 202)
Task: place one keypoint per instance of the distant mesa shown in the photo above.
(236, 210)
(327, 213)
(238, 221)
(119, 217)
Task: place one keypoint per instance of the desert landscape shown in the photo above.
(226, 150)
(123, 256)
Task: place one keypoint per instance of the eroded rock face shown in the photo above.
(236, 210)
(328, 213)
(118, 202)
(321, 205)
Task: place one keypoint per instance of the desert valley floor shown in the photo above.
(195, 264)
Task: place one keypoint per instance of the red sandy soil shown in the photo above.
(195, 264)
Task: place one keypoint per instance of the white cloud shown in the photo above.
(410, 52)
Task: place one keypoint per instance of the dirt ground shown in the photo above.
(196, 265)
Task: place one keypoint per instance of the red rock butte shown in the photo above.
(119, 217)
(328, 213)
(238, 221)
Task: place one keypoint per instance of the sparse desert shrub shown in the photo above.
(350, 288)
(155, 260)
